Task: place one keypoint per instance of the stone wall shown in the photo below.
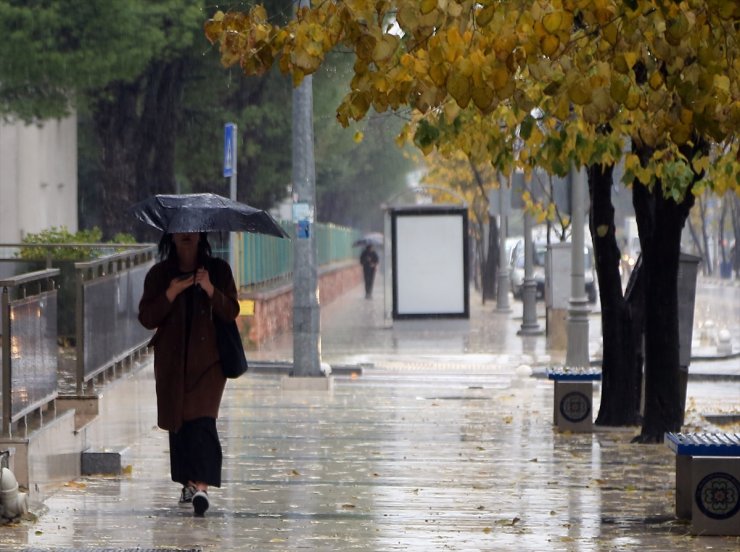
(267, 313)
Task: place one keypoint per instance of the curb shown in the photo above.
(286, 368)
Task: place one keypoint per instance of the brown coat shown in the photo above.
(190, 389)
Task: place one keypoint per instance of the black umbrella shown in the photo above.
(204, 213)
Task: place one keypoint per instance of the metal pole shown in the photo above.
(577, 355)
(529, 326)
(7, 371)
(232, 195)
(306, 313)
(79, 328)
(502, 291)
(387, 269)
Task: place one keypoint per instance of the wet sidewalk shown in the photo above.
(440, 444)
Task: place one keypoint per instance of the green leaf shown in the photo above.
(525, 129)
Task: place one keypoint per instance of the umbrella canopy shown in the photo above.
(204, 213)
(374, 238)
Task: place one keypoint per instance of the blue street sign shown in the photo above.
(229, 149)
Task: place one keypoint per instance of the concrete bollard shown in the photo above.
(708, 333)
(12, 502)
(724, 342)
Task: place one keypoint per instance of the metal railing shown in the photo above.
(263, 261)
(104, 293)
(29, 344)
(108, 291)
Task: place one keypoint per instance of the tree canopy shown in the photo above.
(152, 99)
(659, 72)
(56, 51)
(551, 84)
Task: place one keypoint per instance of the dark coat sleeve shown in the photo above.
(154, 305)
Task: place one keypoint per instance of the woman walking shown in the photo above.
(182, 295)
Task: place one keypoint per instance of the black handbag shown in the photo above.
(230, 348)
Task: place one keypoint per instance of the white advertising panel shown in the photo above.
(430, 263)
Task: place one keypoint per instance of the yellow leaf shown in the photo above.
(454, 9)
(633, 99)
(483, 97)
(619, 88)
(611, 33)
(438, 74)
(701, 164)
(631, 58)
(358, 137)
(500, 77)
(580, 92)
(681, 134)
(620, 64)
(549, 44)
(385, 47)
(458, 87)
(213, 28)
(484, 16)
(451, 111)
(552, 21)
(426, 6)
(656, 80)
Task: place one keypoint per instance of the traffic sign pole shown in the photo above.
(230, 172)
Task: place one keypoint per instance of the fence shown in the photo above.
(104, 293)
(264, 261)
(29, 344)
(108, 291)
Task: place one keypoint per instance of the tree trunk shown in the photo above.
(155, 163)
(138, 144)
(490, 269)
(115, 119)
(660, 221)
(620, 397)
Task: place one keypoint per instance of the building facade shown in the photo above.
(38, 177)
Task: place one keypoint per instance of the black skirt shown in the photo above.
(195, 453)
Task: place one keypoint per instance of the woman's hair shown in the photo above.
(167, 249)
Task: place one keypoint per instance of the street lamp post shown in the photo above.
(529, 326)
(504, 283)
(306, 314)
(577, 352)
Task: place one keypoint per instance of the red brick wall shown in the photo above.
(273, 309)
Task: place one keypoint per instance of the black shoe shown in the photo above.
(200, 503)
(186, 496)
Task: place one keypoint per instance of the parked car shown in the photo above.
(538, 265)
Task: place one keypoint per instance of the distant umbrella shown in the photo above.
(204, 213)
(374, 238)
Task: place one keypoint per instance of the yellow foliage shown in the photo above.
(663, 73)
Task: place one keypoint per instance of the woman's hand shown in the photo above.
(204, 281)
(178, 285)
